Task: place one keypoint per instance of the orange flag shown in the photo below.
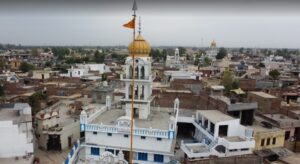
(130, 24)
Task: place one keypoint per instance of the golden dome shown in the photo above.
(139, 47)
(213, 44)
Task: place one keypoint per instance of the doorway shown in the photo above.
(54, 142)
(135, 113)
(223, 129)
(70, 141)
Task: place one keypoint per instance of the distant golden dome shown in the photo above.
(213, 44)
(139, 47)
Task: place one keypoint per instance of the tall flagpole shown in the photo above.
(134, 8)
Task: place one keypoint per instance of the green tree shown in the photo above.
(197, 61)
(261, 65)
(2, 90)
(202, 52)
(235, 84)
(26, 67)
(182, 50)
(34, 52)
(222, 53)
(46, 50)
(99, 57)
(207, 61)
(60, 52)
(155, 54)
(274, 74)
(35, 101)
(103, 77)
(2, 64)
(228, 81)
(48, 64)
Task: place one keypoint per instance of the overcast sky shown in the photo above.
(235, 23)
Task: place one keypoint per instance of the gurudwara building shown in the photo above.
(107, 129)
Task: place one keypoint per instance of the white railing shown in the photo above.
(96, 114)
(237, 144)
(206, 133)
(136, 131)
(124, 77)
(190, 152)
(73, 153)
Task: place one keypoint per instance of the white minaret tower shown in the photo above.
(143, 78)
(176, 55)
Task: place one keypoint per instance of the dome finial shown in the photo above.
(140, 25)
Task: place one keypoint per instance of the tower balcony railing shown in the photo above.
(128, 77)
(136, 131)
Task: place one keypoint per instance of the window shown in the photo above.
(143, 137)
(274, 141)
(232, 150)
(94, 132)
(143, 156)
(262, 142)
(110, 150)
(268, 141)
(287, 135)
(126, 135)
(158, 158)
(205, 123)
(109, 134)
(95, 151)
(158, 139)
(212, 128)
(245, 149)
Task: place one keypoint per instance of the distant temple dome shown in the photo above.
(213, 44)
(139, 47)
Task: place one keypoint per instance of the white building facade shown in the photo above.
(107, 129)
(218, 134)
(16, 130)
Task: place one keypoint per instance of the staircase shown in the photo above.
(212, 144)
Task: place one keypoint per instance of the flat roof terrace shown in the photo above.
(215, 115)
(158, 118)
(264, 95)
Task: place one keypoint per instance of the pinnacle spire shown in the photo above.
(134, 7)
(140, 25)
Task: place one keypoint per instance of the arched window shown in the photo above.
(143, 92)
(130, 91)
(142, 72)
(130, 71)
(136, 72)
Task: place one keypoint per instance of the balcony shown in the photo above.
(236, 142)
(137, 131)
(52, 130)
(242, 106)
(125, 77)
(195, 150)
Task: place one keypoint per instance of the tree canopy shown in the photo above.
(274, 74)
(228, 81)
(99, 57)
(182, 50)
(2, 89)
(35, 101)
(222, 53)
(60, 52)
(26, 67)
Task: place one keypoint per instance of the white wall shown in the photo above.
(118, 140)
(13, 141)
(72, 130)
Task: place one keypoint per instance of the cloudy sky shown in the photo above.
(235, 23)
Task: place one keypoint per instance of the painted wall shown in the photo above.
(259, 136)
(118, 140)
(14, 141)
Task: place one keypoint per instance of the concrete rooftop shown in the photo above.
(158, 119)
